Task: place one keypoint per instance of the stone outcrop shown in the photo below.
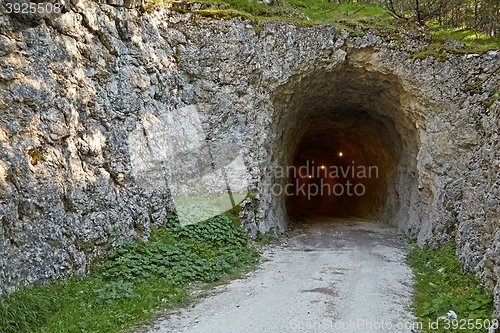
(74, 88)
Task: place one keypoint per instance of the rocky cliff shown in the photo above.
(79, 92)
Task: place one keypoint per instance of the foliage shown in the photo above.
(444, 19)
(452, 210)
(36, 156)
(137, 281)
(269, 237)
(472, 43)
(201, 252)
(474, 23)
(479, 16)
(441, 286)
(200, 207)
(84, 305)
(345, 16)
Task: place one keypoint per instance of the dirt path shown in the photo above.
(343, 277)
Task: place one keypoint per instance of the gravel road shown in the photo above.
(333, 275)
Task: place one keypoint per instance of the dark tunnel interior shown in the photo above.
(342, 163)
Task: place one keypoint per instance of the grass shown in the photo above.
(136, 282)
(354, 17)
(441, 286)
(87, 305)
(468, 37)
(472, 43)
(492, 99)
(342, 16)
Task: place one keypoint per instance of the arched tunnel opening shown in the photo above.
(349, 141)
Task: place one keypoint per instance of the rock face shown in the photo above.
(78, 91)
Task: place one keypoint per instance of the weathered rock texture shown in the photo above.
(74, 87)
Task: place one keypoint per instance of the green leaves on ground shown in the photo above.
(201, 252)
(138, 280)
(441, 286)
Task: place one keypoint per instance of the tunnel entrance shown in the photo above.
(349, 140)
(341, 165)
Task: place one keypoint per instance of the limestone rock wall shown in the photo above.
(73, 89)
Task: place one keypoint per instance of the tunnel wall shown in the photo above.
(74, 88)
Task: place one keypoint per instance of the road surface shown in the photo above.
(333, 275)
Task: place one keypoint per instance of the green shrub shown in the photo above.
(440, 286)
(135, 282)
(201, 252)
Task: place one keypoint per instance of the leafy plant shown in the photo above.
(473, 88)
(114, 291)
(441, 286)
(36, 156)
(137, 280)
(202, 252)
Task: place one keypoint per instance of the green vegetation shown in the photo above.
(452, 210)
(492, 99)
(138, 281)
(441, 286)
(479, 16)
(305, 12)
(200, 207)
(269, 237)
(472, 43)
(358, 16)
